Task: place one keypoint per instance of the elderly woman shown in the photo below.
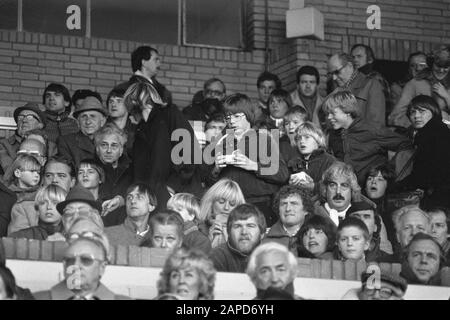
(434, 82)
(110, 142)
(250, 158)
(215, 207)
(189, 275)
(430, 171)
(317, 238)
(154, 162)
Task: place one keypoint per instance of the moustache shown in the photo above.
(338, 197)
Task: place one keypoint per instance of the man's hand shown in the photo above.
(109, 206)
(243, 162)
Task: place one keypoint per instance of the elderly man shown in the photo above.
(272, 265)
(388, 286)
(57, 102)
(246, 226)
(293, 204)
(91, 117)
(28, 117)
(409, 221)
(110, 142)
(423, 261)
(140, 202)
(307, 94)
(339, 188)
(84, 263)
(368, 91)
(362, 144)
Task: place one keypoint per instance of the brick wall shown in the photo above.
(29, 61)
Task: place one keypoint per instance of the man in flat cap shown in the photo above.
(91, 116)
(27, 117)
(378, 284)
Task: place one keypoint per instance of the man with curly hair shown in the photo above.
(292, 204)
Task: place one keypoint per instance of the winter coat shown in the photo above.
(76, 147)
(152, 158)
(279, 235)
(288, 151)
(227, 259)
(313, 114)
(431, 170)
(8, 150)
(59, 125)
(39, 232)
(366, 146)
(7, 200)
(194, 238)
(23, 213)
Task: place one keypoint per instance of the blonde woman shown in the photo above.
(215, 207)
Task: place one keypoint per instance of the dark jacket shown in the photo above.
(8, 150)
(76, 147)
(130, 129)
(39, 232)
(194, 238)
(279, 235)
(61, 292)
(256, 186)
(152, 158)
(287, 151)
(431, 170)
(163, 92)
(117, 180)
(7, 199)
(59, 125)
(227, 259)
(315, 166)
(366, 146)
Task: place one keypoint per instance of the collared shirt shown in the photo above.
(141, 74)
(335, 215)
(289, 233)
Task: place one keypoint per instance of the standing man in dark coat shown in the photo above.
(146, 62)
(78, 146)
(152, 156)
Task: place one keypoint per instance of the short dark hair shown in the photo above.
(245, 211)
(280, 93)
(117, 91)
(319, 223)
(215, 117)
(386, 171)
(84, 93)
(145, 189)
(309, 70)
(368, 50)
(62, 160)
(289, 190)
(139, 54)
(237, 103)
(353, 222)
(59, 88)
(268, 76)
(425, 102)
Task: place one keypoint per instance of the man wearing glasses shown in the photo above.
(378, 286)
(368, 91)
(84, 264)
(28, 117)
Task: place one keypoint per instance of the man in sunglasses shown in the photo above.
(28, 117)
(84, 264)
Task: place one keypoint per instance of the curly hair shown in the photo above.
(183, 258)
(289, 190)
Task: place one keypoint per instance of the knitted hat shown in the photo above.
(91, 104)
(389, 277)
(79, 194)
(32, 107)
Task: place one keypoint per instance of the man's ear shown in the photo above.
(40, 125)
(72, 182)
(367, 245)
